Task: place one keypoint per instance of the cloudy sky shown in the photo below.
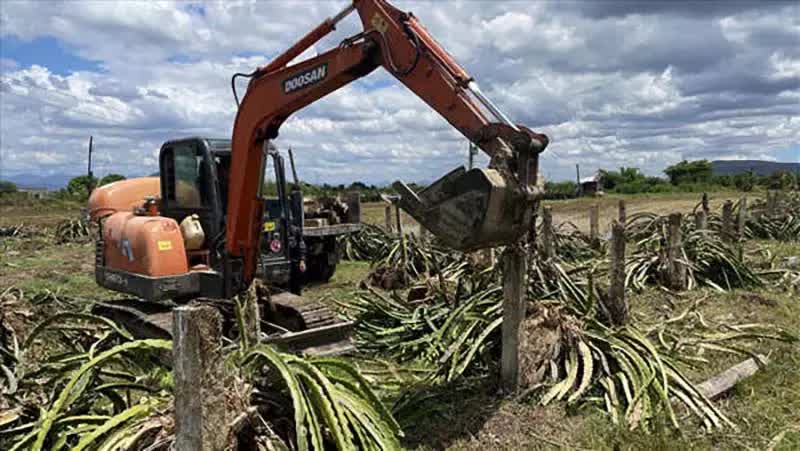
(612, 83)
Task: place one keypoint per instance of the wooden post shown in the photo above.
(617, 304)
(399, 222)
(402, 237)
(594, 225)
(741, 220)
(199, 369)
(622, 218)
(258, 294)
(547, 233)
(716, 386)
(513, 312)
(772, 204)
(700, 220)
(676, 267)
(387, 216)
(353, 201)
(704, 203)
(727, 221)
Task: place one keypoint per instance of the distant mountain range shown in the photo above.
(51, 182)
(718, 167)
(759, 167)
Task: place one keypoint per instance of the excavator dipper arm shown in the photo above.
(398, 42)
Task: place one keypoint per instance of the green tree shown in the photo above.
(698, 171)
(780, 180)
(744, 181)
(7, 187)
(80, 186)
(110, 178)
(624, 180)
(560, 190)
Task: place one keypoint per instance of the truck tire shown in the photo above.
(319, 270)
(325, 271)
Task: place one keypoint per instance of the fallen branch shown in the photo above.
(717, 386)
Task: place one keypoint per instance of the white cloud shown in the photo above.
(635, 88)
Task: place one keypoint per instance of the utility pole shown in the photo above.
(578, 178)
(473, 150)
(89, 168)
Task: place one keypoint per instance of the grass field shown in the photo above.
(765, 408)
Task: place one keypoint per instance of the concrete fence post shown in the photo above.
(704, 204)
(676, 267)
(258, 294)
(387, 216)
(617, 304)
(514, 275)
(399, 223)
(200, 407)
(594, 225)
(741, 220)
(353, 201)
(548, 240)
(773, 202)
(700, 220)
(727, 221)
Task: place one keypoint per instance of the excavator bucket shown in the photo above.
(469, 210)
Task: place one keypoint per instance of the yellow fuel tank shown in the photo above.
(146, 245)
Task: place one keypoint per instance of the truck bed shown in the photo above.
(331, 230)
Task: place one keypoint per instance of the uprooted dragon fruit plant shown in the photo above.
(427, 321)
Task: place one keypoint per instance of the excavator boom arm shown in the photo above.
(392, 39)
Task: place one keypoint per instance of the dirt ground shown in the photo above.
(576, 211)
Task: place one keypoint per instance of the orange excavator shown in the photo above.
(146, 246)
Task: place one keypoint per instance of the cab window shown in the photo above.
(187, 188)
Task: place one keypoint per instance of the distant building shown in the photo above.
(592, 185)
(36, 193)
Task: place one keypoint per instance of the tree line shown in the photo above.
(686, 176)
(78, 187)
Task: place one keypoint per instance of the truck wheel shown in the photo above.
(320, 271)
(325, 271)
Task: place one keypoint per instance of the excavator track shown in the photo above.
(312, 327)
(291, 322)
(299, 313)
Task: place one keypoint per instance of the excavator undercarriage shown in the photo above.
(291, 322)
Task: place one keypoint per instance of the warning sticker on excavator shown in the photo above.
(269, 226)
(165, 245)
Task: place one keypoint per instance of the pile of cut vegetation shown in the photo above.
(80, 381)
(444, 322)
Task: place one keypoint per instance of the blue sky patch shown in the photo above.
(183, 58)
(790, 154)
(196, 8)
(47, 51)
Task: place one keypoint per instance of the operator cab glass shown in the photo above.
(188, 186)
(186, 174)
